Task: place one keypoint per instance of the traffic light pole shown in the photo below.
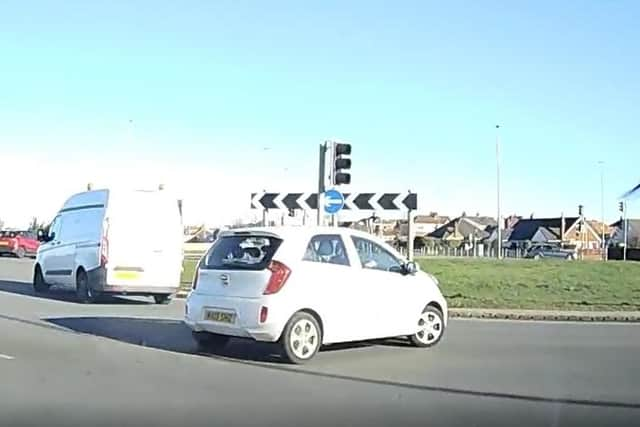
(322, 176)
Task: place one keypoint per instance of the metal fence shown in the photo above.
(475, 252)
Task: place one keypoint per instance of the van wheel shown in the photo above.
(39, 284)
(162, 298)
(85, 294)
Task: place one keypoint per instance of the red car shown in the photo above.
(18, 243)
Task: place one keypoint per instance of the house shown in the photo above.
(569, 231)
(633, 233)
(465, 228)
(422, 225)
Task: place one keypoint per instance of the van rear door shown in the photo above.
(144, 234)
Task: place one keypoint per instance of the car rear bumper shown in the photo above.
(247, 317)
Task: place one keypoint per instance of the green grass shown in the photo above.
(187, 272)
(527, 284)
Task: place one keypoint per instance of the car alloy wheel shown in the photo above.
(430, 328)
(301, 338)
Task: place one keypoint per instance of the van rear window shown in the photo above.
(241, 253)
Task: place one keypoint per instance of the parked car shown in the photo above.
(104, 241)
(550, 251)
(18, 243)
(308, 286)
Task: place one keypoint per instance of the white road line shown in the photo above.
(6, 357)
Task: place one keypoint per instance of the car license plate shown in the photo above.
(220, 316)
(127, 275)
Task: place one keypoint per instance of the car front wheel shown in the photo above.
(301, 338)
(430, 328)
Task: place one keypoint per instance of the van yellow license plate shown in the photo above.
(219, 316)
(127, 275)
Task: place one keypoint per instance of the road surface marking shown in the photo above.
(6, 357)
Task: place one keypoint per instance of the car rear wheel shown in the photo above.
(85, 294)
(430, 328)
(208, 341)
(301, 338)
(162, 298)
(39, 284)
(20, 252)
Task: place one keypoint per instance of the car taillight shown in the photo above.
(279, 275)
(104, 251)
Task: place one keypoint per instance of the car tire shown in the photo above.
(20, 252)
(536, 257)
(301, 338)
(84, 293)
(431, 322)
(162, 298)
(39, 284)
(208, 341)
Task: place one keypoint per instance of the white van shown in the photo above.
(107, 241)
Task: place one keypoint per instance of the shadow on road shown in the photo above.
(24, 288)
(173, 335)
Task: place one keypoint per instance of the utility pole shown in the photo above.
(499, 229)
(604, 249)
(410, 233)
(626, 230)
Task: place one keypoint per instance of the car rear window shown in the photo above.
(251, 252)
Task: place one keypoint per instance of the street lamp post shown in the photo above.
(499, 229)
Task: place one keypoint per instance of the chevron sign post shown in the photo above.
(353, 201)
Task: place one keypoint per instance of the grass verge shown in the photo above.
(526, 284)
(545, 284)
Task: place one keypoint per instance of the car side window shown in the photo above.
(375, 257)
(326, 248)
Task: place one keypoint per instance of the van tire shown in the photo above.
(162, 298)
(39, 284)
(85, 294)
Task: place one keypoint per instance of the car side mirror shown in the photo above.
(41, 235)
(410, 267)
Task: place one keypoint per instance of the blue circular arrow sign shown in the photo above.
(333, 201)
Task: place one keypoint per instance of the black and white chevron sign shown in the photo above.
(353, 201)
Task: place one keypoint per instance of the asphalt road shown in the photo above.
(128, 362)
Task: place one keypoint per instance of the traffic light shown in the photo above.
(341, 164)
(621, 206)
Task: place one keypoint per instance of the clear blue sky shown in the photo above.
(417, 87)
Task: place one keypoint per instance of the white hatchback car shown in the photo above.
(309, 286)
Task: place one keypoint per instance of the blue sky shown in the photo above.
(416, 87)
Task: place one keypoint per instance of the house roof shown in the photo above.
(633, 229)
(430, 219)
(525, 229)
(480, 226)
